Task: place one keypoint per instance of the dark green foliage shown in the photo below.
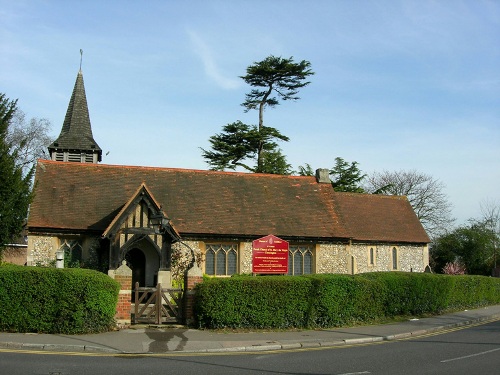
(274, 162)
(239, 143)
(275, 75)
(412, 293)
(335, 300)
(15, 188)
(273, 301)
(306, 170)
(344, 300)
(472, 244)
(50, 300)
(272, 79)
(346, 177)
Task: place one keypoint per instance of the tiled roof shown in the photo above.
(88, 197)
(76, 132)
(379, 217)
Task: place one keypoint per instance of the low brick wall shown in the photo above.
(123, 275)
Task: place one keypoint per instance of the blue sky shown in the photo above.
(399, 85)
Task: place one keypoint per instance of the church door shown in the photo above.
(136, 260)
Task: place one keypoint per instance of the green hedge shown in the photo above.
(50, 300)
(335, 300)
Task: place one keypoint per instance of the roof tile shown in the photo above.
(79, 196)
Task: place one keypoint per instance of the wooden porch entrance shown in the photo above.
(157, 305)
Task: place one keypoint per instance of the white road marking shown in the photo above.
(469, 356)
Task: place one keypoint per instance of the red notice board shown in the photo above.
(270, 255)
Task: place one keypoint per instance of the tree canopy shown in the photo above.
(274, 75)
(472, 245)
(238, 145)
(306, 170)
(346, 177)
(15, 186)
(272, 79)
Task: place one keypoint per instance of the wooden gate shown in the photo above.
(157, 305)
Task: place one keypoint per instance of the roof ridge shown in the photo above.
(194, 170)
(210, 203)
(375, 196)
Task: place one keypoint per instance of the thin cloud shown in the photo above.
(211, 68)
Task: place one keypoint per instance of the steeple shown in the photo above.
(76, 142)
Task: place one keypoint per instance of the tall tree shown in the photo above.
(272, 79)
(15, 186)
(425, 194)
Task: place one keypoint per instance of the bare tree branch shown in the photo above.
(424, 193)
(28, 139)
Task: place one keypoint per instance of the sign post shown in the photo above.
(270, 255)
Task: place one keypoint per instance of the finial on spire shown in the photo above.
(81, 58)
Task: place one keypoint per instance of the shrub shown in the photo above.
(341, 300)
(49, 300)
(335, 300)
(273, 301)
(454, 268)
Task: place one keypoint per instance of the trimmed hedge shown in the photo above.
(50, 300)
(315, 301)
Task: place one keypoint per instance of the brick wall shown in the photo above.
(123, 275)
(194, 276)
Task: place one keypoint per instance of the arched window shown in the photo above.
(232, 259)
(300, 260)
(394, 258)
(372, 256)
(210, 262)
(73, 253)
(221, 259)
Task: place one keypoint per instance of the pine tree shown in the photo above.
(272, 79)
(15, 189)
(346, 177)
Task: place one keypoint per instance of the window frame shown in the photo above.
(73, 251)
(394, 258)
(309, 249)
(372, 256)
(234, 247)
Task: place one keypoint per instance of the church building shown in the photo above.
(101, 215)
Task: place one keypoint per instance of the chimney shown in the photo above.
(323, 176)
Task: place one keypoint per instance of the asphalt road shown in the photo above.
(471, 350)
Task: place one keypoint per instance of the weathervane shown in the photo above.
(81, 58)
